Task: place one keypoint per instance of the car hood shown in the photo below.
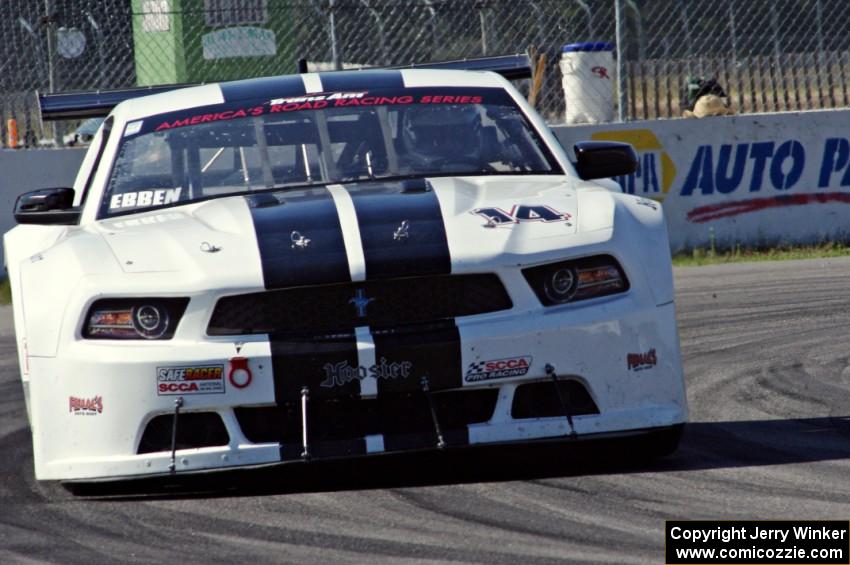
(364, 230)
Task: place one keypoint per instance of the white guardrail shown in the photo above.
(755, 179)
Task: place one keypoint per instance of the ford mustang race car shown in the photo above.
(335, 264)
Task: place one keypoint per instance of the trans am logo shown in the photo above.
(498, 369)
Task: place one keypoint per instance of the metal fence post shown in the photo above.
(621, 64)
(334, 50)
(50, 29)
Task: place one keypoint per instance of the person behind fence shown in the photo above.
(704, 97)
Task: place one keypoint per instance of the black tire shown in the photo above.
(665, 442)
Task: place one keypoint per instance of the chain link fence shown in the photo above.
(768, 55)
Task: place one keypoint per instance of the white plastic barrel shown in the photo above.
(588, 81)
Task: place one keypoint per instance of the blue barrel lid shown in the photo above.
(588, 46)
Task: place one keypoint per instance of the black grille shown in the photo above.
(194, 429)
(540, 400)
(394, 415)
(331, 308)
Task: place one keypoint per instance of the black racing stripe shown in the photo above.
(381, 210)
(316, 364)
(266, 87)
(360, 80)
(312, 214)
(434, 353)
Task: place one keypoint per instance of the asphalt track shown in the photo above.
(766, 361)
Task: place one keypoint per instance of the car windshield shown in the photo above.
(320, 139)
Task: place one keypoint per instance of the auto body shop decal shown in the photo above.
(85, 406)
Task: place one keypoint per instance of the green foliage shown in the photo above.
(737, 254)
(5, 292)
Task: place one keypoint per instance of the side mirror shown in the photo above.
(604, 159)
(47, 206)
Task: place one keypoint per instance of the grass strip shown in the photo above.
(701, 256)
(5, 291)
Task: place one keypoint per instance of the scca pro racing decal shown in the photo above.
(497, 217)
(498, 369)
(207, 379)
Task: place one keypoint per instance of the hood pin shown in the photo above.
(298, 240)
(402, 232)
(208, 247)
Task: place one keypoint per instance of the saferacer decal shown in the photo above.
(498, 369)
(205, 379)
(85, 406)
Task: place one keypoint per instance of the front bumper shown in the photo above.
(91, 405)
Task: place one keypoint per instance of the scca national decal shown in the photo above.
(498, 369)
(207, 379)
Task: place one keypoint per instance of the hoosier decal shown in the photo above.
(208, 379)
(498, 369)
(338, 374)
(641, 361)
(85, 406)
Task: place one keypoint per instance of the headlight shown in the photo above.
(581, 279)
(134, 318)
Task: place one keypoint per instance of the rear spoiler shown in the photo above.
(77, 105)
(512, 67)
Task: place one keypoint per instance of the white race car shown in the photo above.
(334, 265)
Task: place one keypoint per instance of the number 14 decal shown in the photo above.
(521, 213)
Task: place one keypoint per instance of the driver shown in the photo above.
(443, 138)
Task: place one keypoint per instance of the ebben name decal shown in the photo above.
(85, 406)
(497, 369)
(207, 379)
(641, 361)
(144, 198)
(520, 213)
(338, 374)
